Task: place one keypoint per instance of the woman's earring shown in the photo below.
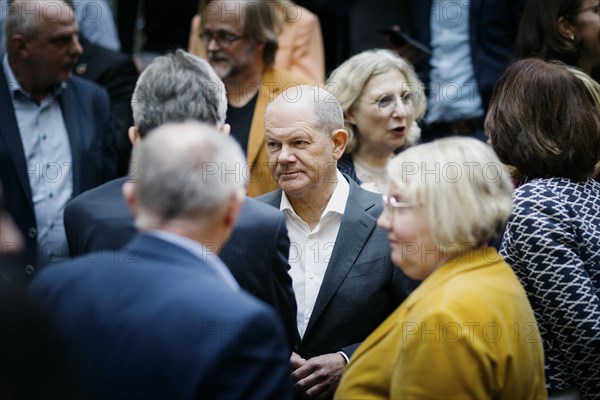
(572, 37)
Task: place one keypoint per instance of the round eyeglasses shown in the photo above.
(388, 102)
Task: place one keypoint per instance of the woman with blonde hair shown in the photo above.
(381, 97)
(468, 331)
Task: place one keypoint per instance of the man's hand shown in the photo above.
(319, 376)
(296, 361)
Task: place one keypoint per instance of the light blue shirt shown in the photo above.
(200, 251)
(453, 91)
(47, 151)
(97, 23)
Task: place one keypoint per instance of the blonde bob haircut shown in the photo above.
(462, 185)
(348, 80)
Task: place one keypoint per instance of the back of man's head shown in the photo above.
(175, 88)
(185, 171)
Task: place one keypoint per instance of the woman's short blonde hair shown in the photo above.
(462, 185)
(348, 80)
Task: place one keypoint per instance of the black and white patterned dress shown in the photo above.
(552, 241)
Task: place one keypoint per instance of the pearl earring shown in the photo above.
(572, 37)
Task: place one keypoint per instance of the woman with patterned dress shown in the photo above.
(544, 121)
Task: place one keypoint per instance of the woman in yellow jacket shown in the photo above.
(468, 330)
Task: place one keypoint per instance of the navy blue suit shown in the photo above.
(256, 254)
(86, 112)
(161, 324)
(493, 26)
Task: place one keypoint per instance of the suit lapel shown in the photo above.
(67, 100)
(355, 230)
(9, 132)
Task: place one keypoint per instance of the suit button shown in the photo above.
(32, 232)
(29, 269)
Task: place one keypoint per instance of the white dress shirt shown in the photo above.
(310, 251)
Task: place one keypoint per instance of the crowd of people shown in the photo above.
(233, 221)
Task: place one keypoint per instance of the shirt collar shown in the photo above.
(337, 202)
(15, 87)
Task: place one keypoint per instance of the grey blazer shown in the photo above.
(361, 286)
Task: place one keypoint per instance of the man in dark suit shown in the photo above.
(170, 322)
(180, 87)
(55, 137)
(343, 277)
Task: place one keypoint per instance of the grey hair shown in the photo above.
(461, 184)
(348, 80)
(327, 112)
(21, 20)
(175, 88)
(185, 170)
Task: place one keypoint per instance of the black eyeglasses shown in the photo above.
(223, 38)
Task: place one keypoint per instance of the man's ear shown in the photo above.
(134, 135)
(340, 140)
(19, 44)
(128, 190)
(565, 29)
(233, 209)
(225, 129)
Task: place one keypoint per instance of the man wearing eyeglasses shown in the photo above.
(343, 278)
(240, 41)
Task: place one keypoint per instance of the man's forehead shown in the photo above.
(57, 15)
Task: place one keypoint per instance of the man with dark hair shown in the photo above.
(241, 42)
(55, 137)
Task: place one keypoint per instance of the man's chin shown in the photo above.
(221, 68)
(291, 183)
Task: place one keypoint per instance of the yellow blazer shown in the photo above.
(274, 82)
(468, 332)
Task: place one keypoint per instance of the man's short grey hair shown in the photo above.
(22, 19)
(327, 112)
(463, 187)
(178, 87)
(184, 170)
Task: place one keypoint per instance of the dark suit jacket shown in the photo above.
(118, 74)
(85, 109)
(162, 325)
(493, 26)
(361, 286)
(256, 253)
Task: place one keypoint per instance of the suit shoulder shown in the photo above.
(272, 199)
(104, 194)
(260, 209)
